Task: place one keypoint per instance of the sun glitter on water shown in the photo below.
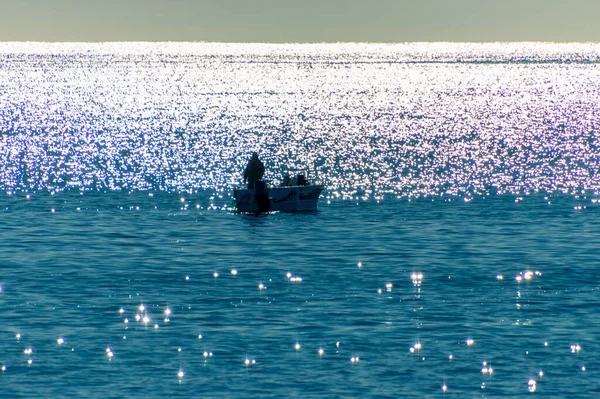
(470, 140)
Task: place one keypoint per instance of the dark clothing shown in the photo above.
(261, 195)
(254, 171)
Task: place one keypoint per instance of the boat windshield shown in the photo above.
(296, 178)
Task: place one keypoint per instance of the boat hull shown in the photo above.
(281, 199)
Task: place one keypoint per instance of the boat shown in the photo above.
(295, 194)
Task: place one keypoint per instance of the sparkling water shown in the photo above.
(454, 252)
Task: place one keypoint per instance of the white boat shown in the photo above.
(294, 194)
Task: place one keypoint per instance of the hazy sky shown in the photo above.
(300, 20)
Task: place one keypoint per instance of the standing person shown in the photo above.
(254, 171)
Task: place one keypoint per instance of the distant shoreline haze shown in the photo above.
(309, 21)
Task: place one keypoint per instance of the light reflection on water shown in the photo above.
(122, 272)
(105, 280)
(406, 120)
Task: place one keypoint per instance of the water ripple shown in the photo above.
(407, 120)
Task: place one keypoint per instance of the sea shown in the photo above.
(454, 254)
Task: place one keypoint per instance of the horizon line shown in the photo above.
(304, 43)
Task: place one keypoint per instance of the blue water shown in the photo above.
(454, 253)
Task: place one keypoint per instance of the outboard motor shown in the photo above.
(261, 195)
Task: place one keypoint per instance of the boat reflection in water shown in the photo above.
(294, 194)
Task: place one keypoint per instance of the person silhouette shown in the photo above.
(254, 171)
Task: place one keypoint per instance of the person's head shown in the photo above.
(254, 154)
